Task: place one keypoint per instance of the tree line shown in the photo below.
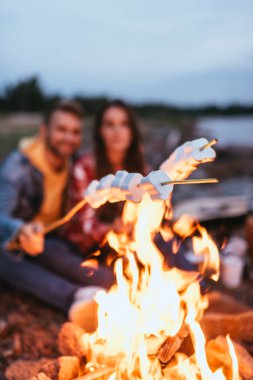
(29, 96)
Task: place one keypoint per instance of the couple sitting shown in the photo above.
(39, 183)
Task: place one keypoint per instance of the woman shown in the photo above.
(117, 145)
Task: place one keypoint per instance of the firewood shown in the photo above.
(154, 343)
(70, 340)
(238, 326)
(172, 345)
(218, 357)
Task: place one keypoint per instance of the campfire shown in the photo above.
(152, 309)
(144, 319)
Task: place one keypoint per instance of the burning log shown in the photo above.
(172, 345)
(154, 343)
(218, 356)
(238, 326)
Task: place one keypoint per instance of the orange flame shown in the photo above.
(235, 367)
(149, 303)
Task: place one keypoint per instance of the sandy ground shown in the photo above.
(28, 328)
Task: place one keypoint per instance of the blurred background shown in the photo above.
(185, 66)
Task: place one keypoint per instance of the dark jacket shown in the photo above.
(21, 194)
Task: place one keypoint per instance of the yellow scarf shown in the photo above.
(54, 183)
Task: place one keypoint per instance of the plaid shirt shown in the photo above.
(85, 230)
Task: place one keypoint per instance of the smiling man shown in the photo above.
(33, 188)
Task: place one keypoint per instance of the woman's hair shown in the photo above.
(134, 157)
(133, 160)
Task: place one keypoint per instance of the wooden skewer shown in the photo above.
(190, 181)
(65, 218)
(211, 143)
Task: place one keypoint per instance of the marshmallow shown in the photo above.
(116, 194)
(152, 185)
(94, 198)
(105, 182)
(205, 155)
(98, 192)
(130, 187)
(185, 159)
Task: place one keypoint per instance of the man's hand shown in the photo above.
(31, 238)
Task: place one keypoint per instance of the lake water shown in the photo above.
(229, 131)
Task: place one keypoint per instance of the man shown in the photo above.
(33, 184)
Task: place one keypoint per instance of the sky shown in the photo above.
(185, 52)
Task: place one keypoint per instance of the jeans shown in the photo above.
(53, 276)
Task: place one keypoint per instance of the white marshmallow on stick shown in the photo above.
(93, 198)
(185, 159)
(116, 194)
(131, 189)
(152, 184)
(104, 187)
(132, 186)
(98, 192)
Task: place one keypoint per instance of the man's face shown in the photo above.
(63, 134)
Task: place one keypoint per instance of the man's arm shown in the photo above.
(9, 199)
(12, 176)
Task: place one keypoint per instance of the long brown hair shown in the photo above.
(133, 160)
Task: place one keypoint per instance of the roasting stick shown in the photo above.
(208, 145)
(64, 219)
(190, 181)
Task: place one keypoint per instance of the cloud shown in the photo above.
(133, 48)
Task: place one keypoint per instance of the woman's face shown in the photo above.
(115, 130)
